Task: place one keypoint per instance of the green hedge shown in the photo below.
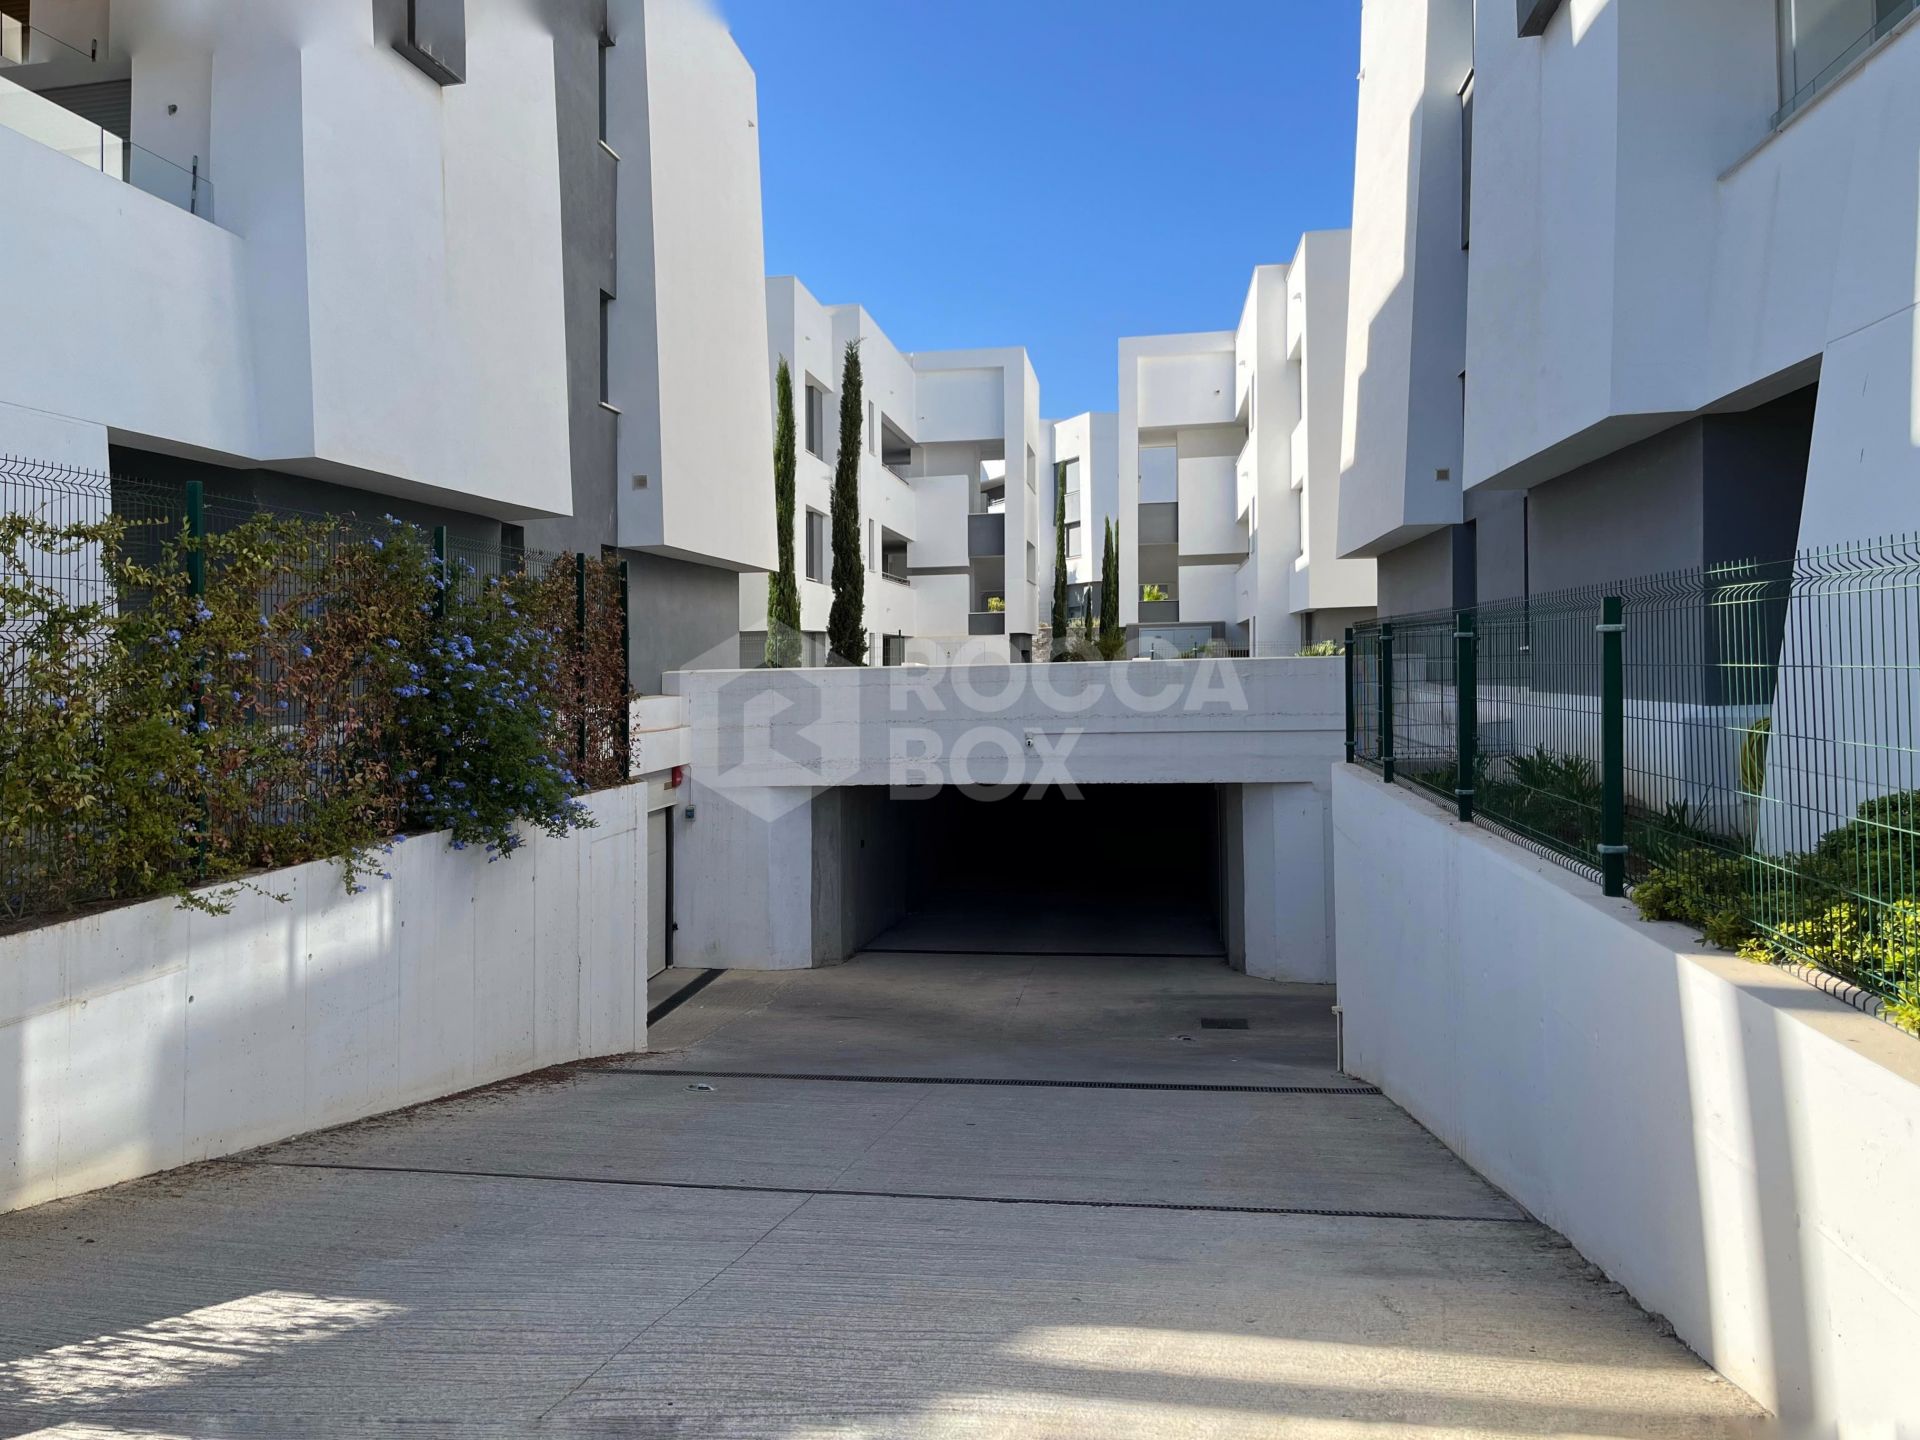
(324, 693)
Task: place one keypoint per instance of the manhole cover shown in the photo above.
(1224, 1022)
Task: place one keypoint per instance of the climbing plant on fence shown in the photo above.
(191, 696)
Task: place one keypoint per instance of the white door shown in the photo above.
(658, 869)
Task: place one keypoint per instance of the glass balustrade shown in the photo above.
(58, 128)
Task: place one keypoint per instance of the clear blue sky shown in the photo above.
(1048, 173)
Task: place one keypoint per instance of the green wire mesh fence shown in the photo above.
(293, 722)
(1734, 743)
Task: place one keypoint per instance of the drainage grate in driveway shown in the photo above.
(1224, 1022)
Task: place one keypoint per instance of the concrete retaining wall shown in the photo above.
(1739, 1150)
(150, 1036)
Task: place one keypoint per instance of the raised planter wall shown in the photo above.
(1737, 1148)
(146, 1037)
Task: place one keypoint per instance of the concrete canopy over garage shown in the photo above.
(799, 776)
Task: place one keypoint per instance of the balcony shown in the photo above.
(73, 135)
(986, 535)
(1822, 42)
(1159, 523)
(1159, 603)
(22, 43)
(987, 622)
(893, 557)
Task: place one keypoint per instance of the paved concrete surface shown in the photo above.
(611, 1251)
(996, 921)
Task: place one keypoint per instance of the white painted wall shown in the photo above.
(1739, 1150)
(380, 300)
(1317, 284)
(1406, 314)
(1271, 405)
(1090, 439)
(1644, 249)
(138, 1039)
(690, 336)
(1207, 486)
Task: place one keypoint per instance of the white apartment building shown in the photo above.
(1633, 290)
(956, 490)
(1085, 463)
(1229, 478)
(335, 254)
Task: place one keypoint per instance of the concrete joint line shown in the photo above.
(1180, 1207)
(1188, 1086)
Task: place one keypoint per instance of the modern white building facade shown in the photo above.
(1085, 461)
(956, 490)
(1229, 479)
(345, 255)
(1635, 292)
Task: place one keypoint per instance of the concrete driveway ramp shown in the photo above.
(906, 1197)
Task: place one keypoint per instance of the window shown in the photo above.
(435, 39)
(816, 420)
(816, 545)
(606, 309)
(1820, 40)
(1033, 469)
(1073, 539)
(1033, 564)
(873, 551)
(1533, 16)
(873, 431)
(893, 649)
(606, 44)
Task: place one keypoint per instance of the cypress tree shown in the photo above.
(783, 588)
(1059, 559)
(846, 628)
(1110, 590)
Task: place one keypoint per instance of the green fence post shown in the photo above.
(626, 676)
(1466, 697)
(1613, 750)
(1348, 653)
(580, 642)
(197, 532)
(197, 587)
(1386, 703)
(440, 567)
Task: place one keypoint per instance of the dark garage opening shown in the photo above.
(1115, 870)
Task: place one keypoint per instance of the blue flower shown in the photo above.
(378, 543)
(306, 652)
(59, 702)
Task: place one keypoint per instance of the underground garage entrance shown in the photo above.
(1110, 870)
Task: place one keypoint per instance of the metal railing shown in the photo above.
(1736, 744)
(73, 135)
